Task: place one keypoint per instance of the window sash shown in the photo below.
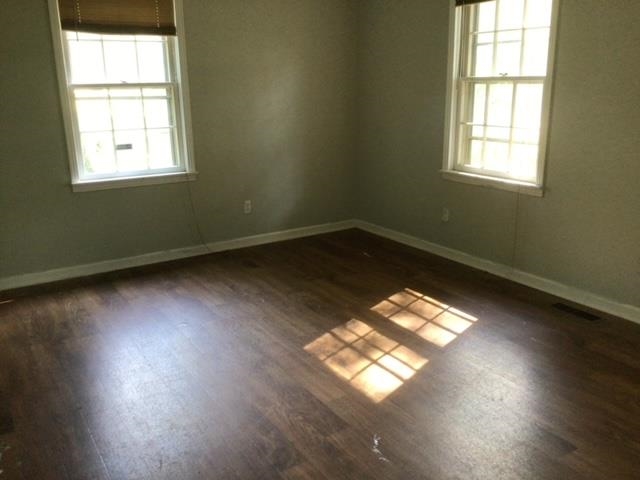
(464, 124)
(469, 38)
(462, 28)
(173, 128)
(177, 127)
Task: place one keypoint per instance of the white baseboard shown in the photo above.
(582, 297)
(629, 312)
(37, 278)
(272, 237)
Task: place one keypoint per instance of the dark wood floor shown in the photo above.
(331, 357)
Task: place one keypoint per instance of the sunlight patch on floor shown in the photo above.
(371, 362)
(432, 320)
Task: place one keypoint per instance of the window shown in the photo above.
(500, 72)
(123, 94)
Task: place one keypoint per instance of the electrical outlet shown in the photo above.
(247, 207)
(445, 215)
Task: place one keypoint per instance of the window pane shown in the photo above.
(486, 16)
(484, 61)
(528, 106)
(160, 149)
(509, 36)
(500, 98)
(120, 61)
(498, 133)
(508, 59)
(479, 100)
(86, 62)
(85, 35)
(510, 14)
(131, 150)
(93, 115)
(538, 13)
(157, 113)
(116, 37)
(526, 135)
(151, 61)
(475, 158)
(536, 50)
(524, 160)
(485, 38)
(98, 153)
(496, 156)
(477, 132)
(127, 114)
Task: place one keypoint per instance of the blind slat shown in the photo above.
(118, 16)
(461, 3)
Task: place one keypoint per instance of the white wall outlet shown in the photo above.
(247, 207)
(445, 215)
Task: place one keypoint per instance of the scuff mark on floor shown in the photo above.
(376, 448)
(3, 448)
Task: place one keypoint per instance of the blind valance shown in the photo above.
(118, 16)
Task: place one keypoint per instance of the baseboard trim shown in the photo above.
(582, 297)
(629, 312)
(65, 273)
(280, 236)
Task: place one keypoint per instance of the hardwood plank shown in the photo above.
(202, 369)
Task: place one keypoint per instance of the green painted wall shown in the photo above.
(273, 108)
(585, 232)
(324, 110)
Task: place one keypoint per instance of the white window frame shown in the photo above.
(179, 85)
(450, 170)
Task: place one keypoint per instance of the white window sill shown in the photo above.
(127, 182)
(493, 182)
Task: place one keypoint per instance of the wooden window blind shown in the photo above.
(153, 17)
(460, 3)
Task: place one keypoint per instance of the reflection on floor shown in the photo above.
(371, 362)
(377, 365)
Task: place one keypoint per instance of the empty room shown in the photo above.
(320, 239)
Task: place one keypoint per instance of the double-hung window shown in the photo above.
(123, 91)
(499, 92)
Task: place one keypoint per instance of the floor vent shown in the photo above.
(576, 312)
